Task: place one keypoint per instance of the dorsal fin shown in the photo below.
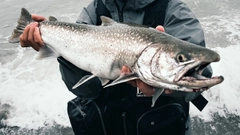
(52, 18)
(107, 21)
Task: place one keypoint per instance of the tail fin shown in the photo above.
(23, 21)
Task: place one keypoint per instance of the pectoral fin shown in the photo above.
(123, 78)
(83, 80)
(87, 78)
(103, 81)
(156, 94)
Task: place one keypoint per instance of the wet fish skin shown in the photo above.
(156, 58)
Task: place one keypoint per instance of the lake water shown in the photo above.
(33, 97)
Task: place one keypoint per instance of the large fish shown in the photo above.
(158, 59)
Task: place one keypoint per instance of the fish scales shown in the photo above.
(158, 59)
(86, 41)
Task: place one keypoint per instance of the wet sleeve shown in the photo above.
(72, 74)
(180, 22)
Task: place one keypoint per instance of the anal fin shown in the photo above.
(46, 52)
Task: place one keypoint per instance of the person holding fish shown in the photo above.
(126, 109)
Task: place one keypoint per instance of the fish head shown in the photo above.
(194, 59)
(177, 65)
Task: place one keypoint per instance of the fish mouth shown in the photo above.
(191, 77)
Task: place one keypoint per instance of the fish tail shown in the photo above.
(24, 19)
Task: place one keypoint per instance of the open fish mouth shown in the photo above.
(191, 77)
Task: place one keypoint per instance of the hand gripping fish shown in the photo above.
(158, 59)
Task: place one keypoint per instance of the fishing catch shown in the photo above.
(158, 59)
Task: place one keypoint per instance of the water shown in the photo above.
(33, 97)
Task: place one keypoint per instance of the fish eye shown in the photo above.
(181, 58)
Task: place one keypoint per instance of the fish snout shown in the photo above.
(217, 58)
(210, 56)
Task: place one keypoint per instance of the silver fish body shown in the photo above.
(156, 58)
(101, 50)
